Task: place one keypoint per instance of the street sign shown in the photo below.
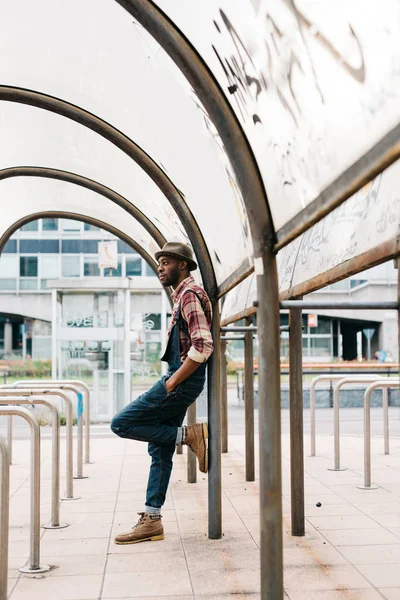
(368, 333)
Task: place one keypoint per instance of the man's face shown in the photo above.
(169, 270)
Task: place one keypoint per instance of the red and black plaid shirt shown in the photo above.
(197, 342)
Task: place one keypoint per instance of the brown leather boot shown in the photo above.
(196, 438)
(147, 529)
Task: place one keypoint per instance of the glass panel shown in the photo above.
(91, 266)
(70, 266)
(90, 246)
(149, 271)
(133, 265)
(115, 272)
(125, 248)
(320, 346)
(49, 224)
(10, 247)
(32, 226)
(71, 246)
(29, 246)
(28, 266)
(49, 246)
(8, 284)
(8, 266)
(356, 282)
(88, 227)
(50, 267)
(28, 284)
(70, 225)
(324, 325)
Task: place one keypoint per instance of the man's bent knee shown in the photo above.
(117, 426)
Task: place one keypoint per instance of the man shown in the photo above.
(156, 416)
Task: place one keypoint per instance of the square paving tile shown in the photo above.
(117, 585)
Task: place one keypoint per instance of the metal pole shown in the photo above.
(249, 401)
(191, 457)
(4, 516)
(17, 397)
(44, 385)
(127, 349)
(214, 420)
(296, 421)
(10, 438)
(385, 403)
(336, 429)
(385, 385)
(54, 358)
(269, 395)
(78, 383)
(224, 397)
(34, 558)
(312, 404)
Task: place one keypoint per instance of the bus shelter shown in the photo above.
(241, 127)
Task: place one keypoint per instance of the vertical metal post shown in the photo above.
(4, 517)
(398, 311)
(10, 438)
(34, 558)
(385, 404)
(269, 402)
(127, 349)
(54, 334)
(249, 401)
(79, 453)
(224, 397)
(296, 421)
(191, 457)
(214, 421)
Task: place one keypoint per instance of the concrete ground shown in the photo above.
(351, 548)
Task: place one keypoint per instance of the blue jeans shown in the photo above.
(154, 417)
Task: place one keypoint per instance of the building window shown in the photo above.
(115, 272)
(91, 266)
(133, 265)
(10, 247)
(124, 248)
(71, 266)
(49, 267)
(8, 272)
(49, 224)
(149, 271)
(70, 225)
(90, 246)
(71, 246)
(32, 226)
(89, 227)
(28, 266)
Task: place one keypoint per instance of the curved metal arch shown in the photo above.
(136, 153)
(92, 185)
(92, 221)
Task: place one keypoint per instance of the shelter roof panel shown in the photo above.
(314, 85)
(93, 55)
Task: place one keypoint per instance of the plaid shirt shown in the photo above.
(197, 344)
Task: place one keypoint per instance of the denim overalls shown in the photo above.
(155, 416)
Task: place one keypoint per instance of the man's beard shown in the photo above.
(172, 279)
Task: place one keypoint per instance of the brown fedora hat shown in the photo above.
(178, 250)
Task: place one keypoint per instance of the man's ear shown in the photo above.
(184, 265)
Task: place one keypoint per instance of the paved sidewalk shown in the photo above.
(351, 549)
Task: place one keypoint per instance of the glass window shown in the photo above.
(9, 266)
(115, 272)
(49, 267)
(149, 271)
(10, 247)
(356, 282)
(32, 226)
(125, 248)
(31, 246)
(49, 224)
(70, 266)
(71, 246)
(49, 246)
(324, 325)
(30, 283)
(91, 266)
(320, 346)
(133, 265)
(28, 266)
(88, 227)
(90, 246)
(8, 284)
(70, 225)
